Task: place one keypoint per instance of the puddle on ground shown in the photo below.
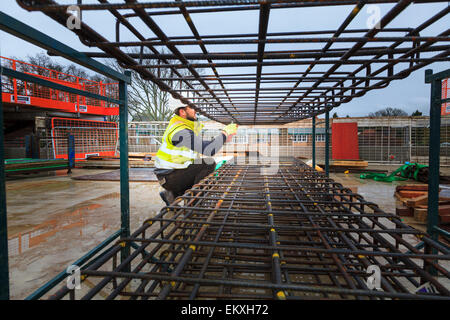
(22, 238)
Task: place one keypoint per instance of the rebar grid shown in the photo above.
(320, 79)
(242, 233)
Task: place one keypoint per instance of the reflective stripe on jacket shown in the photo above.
(173, 157)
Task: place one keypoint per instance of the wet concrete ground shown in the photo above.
(53, 220)
(381, 193)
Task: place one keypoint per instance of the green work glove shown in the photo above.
(230, 129)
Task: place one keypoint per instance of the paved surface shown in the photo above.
(54, 220)
(135, 174)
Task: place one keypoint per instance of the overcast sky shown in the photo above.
(408, 94)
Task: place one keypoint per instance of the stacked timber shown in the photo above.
(354, 166)
(27, 165)
(349, 163)
(412, 201)
(135, 160)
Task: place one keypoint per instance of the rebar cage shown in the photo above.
(244, 233)
(278, 75)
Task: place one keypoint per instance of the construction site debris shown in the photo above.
(413, 202)
(407, 171)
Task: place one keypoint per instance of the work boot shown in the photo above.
(167, 197)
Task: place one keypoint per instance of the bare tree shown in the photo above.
(416, 113)
(43, 60)
(388, 112)
(146, 101)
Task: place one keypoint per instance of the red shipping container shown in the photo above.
(344, 141)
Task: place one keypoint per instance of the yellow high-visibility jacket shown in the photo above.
(170, 156)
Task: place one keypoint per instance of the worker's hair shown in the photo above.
(177, 110)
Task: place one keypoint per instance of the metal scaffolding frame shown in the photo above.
(242, 233)
(27, 33)
(275, 97)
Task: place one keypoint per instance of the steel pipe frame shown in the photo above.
(326, 98)
(313, 144)
(4, 266)
(203, 3)
(272, 41)
(87, 35)
(402, 74)
(159, 32)
(267, 55)
(27, 33)
(327, 143)
(271, 34)
(345, 234)
(286, 63)
(401, 5)
(436, 102)
(338, 32)
(121, 19)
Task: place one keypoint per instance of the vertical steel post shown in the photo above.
(314, 142)
(28, 146)
(410, 140)
(4, 266)
(434, 154)
(433, 166)
(124, 172)
(70, 152)
(327, 143)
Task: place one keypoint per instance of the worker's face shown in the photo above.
(189, 113)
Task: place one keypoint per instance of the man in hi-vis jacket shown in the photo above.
(178, 163)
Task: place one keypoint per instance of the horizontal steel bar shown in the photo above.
(211, 282)
(202, 3)
(273, 41)
(286, 63)
(27, 33)
(429, 76)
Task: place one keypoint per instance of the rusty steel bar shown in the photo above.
(268, 55)
(246, 233)
(203, 3)
(272, 41)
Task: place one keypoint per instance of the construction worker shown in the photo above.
(178, 163)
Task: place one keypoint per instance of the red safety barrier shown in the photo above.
(92, 137)
(16, 91)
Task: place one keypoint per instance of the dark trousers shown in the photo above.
(180, 180)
